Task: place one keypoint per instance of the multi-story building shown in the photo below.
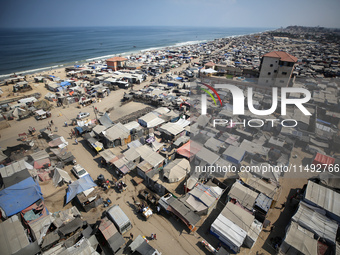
(276, 69)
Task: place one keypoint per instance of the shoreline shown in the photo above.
(124, 54)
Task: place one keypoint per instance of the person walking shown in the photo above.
(154, 236)
(76, 141)
(131, 236)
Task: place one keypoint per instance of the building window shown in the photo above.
(275, 71)
(271, 65)
(282, 81)
(284, 73)
(269, 73)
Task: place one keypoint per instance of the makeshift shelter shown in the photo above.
(270, 189)
(311, 219)
(108, 155)
(58, 142)
(116, 135)
(182, 211)
(61, 176)
(234, 154)
(35, 211)
(245, 196)
(189, 149)
(114, 239)
(141, 246)
(150, 120)
(15, 240)
(105, 120)
(206, 157)
(80, 185)
(203, 198)
(176, 170)
(232, 226)
(19, 196)
(323, 160)
(14, 173)
(324, 198)
(299, 241)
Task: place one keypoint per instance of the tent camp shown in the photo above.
(176, 170)
(19, 196)
(80, 185)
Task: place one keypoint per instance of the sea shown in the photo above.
(29, 50)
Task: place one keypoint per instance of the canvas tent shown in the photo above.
(60, 176)
(19, 196)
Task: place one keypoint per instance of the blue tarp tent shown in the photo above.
(19, 196)
(84, 183)
(65, 83)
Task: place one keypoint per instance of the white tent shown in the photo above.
(60, 175)
(315, 222)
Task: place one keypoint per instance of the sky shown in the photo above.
(198, 13)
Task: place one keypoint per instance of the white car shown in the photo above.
(82, 115)
(79, 171)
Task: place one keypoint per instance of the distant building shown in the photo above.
(276, 69)
(116, 63)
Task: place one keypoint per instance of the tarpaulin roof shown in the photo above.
(189, 149)
(41, 163)
(323, 159)
(19, 196)
(84, 183)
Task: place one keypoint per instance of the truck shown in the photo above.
(119, 218)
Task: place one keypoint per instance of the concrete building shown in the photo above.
(276, 69)
(116, 63)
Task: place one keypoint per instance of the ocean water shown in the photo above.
(36, 49)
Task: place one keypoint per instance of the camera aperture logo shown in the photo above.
(239, 105)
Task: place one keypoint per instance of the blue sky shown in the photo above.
(210, 13)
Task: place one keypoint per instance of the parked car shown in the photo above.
(79, 171)
(82, 115)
